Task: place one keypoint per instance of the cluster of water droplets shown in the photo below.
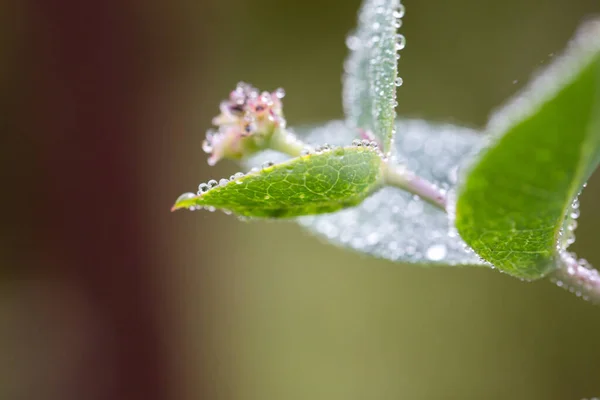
(338, 149)
(365, 143)
(205, 187)
(566, 235)
(320, 149)
(392, 223)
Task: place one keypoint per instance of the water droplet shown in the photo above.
(223, 182)
(203, 188)
(280, 93)
(185, 196)
(212, 183)
(400, 42)
(353, 42)
(559, 283)
(267, 164)
(400, 11)
(399, 81)
(356, 142)
(207, 147)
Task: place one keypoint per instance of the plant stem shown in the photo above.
(400, 177)
(577, 276)
(286, 142)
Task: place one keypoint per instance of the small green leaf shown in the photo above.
(513, 201)
(313, 184)
(393, 224)
(371, 69)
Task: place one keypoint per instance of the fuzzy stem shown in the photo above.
(400, 177)
(286, 142)
(577, 277)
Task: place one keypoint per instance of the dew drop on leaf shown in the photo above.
(436, 252)
(399, 12)
(353, 42)
(186, 196)
(206, 147)
(202, 188)
(400, 42)
(267, 164)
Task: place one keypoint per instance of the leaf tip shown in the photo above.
(183, 201)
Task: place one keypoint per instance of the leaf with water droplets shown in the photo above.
(546, 143)
(371, 73)
(317, 183)
(393, 224)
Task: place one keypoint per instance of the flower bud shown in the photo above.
(246, 123)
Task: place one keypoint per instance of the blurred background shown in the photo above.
(104, 294)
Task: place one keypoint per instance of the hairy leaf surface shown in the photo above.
(371, 70)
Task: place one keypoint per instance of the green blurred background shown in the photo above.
(104, 294)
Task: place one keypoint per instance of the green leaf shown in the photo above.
(393, 224)
(546, 144)
(317, 183)
(371, 69)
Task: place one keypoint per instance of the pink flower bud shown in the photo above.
(246, 123)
